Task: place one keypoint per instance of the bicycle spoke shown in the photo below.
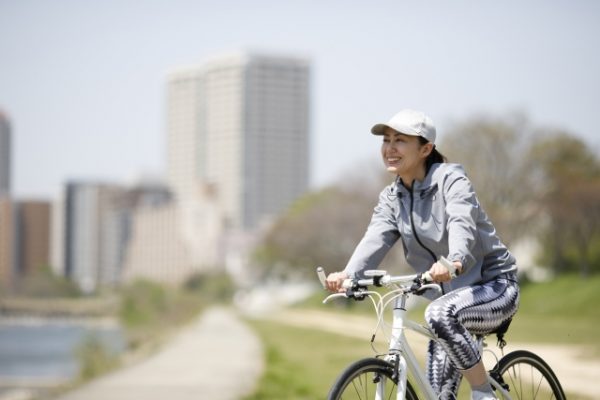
(391, 392)
(529, 377)
(513, 378)
(356, 388)
(537, 389)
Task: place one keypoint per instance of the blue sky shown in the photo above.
(84, 81)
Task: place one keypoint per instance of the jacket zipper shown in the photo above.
(412, 224)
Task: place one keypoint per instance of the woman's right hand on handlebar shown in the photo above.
(335, 280)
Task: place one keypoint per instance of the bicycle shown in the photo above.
(520, 374)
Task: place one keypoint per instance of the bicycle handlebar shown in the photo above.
(355, 288)
(382, 278)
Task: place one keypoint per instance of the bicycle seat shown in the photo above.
(500, 332)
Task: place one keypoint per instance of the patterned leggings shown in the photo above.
(455, 317)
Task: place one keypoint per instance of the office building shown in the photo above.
(5, 155)
(24, 240)
(33, 236)
(237, 155)
(7, 245)
(93, 223)
(238, 127)
(95, 233)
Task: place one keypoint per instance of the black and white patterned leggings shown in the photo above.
(455, 317)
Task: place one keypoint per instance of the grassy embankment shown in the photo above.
(302, 363)
(150, 312)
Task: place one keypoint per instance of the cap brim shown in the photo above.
(379, 129)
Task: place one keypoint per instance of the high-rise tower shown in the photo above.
(238, 135)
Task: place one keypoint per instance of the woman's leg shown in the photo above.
(442, 375)
(478, 309)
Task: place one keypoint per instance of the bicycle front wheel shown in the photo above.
(361, 380)
(526, 376)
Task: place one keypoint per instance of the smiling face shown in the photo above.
(404, 155)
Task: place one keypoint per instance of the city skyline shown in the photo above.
(79, 79)
(238, 149)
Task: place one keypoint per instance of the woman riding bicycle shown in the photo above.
(434, 210)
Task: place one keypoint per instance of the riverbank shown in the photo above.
(39, 355)
(79, 307)
(148, 314)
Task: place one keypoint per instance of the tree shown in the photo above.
(568, 188)
(322, 228)
(492, 150)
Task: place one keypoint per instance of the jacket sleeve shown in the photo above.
(380, 236)
(462, 209)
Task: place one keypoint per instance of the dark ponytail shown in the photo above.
(435, 157)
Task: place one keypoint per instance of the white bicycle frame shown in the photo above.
(399, 346)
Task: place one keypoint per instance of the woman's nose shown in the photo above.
(390, 149)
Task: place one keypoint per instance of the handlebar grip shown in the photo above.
(347, 284)
(322, 277)
(449, 266)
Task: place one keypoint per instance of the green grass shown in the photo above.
(303, 363)
(149, 310)
(562, 311)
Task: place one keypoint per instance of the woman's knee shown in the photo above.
(435, 312)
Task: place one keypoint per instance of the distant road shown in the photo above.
(217, 357)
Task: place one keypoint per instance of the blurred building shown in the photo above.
(33, 233)
(156, 250)
(238, 143)
(5, 155)
(24, 239)
(240, 124)
(7, 244)
(94, 221)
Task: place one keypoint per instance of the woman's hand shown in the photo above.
(440, 274)
(334, 281)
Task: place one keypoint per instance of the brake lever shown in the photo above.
(356, 292)
(422, 283)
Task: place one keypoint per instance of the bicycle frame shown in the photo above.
(399, 347)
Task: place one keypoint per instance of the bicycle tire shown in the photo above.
(526, 376)
(358, 379)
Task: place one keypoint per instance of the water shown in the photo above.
(43, 350)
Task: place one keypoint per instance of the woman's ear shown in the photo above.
(426, 149)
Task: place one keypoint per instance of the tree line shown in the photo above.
(534, 182)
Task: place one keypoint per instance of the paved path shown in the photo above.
(217, 358)
(576, 372)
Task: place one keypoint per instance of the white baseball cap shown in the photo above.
(409, 122)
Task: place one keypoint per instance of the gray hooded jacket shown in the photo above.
(440, 216)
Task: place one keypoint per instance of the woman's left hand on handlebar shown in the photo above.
(440, 274)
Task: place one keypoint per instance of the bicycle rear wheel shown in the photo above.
(359, 382)
(526, 376)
